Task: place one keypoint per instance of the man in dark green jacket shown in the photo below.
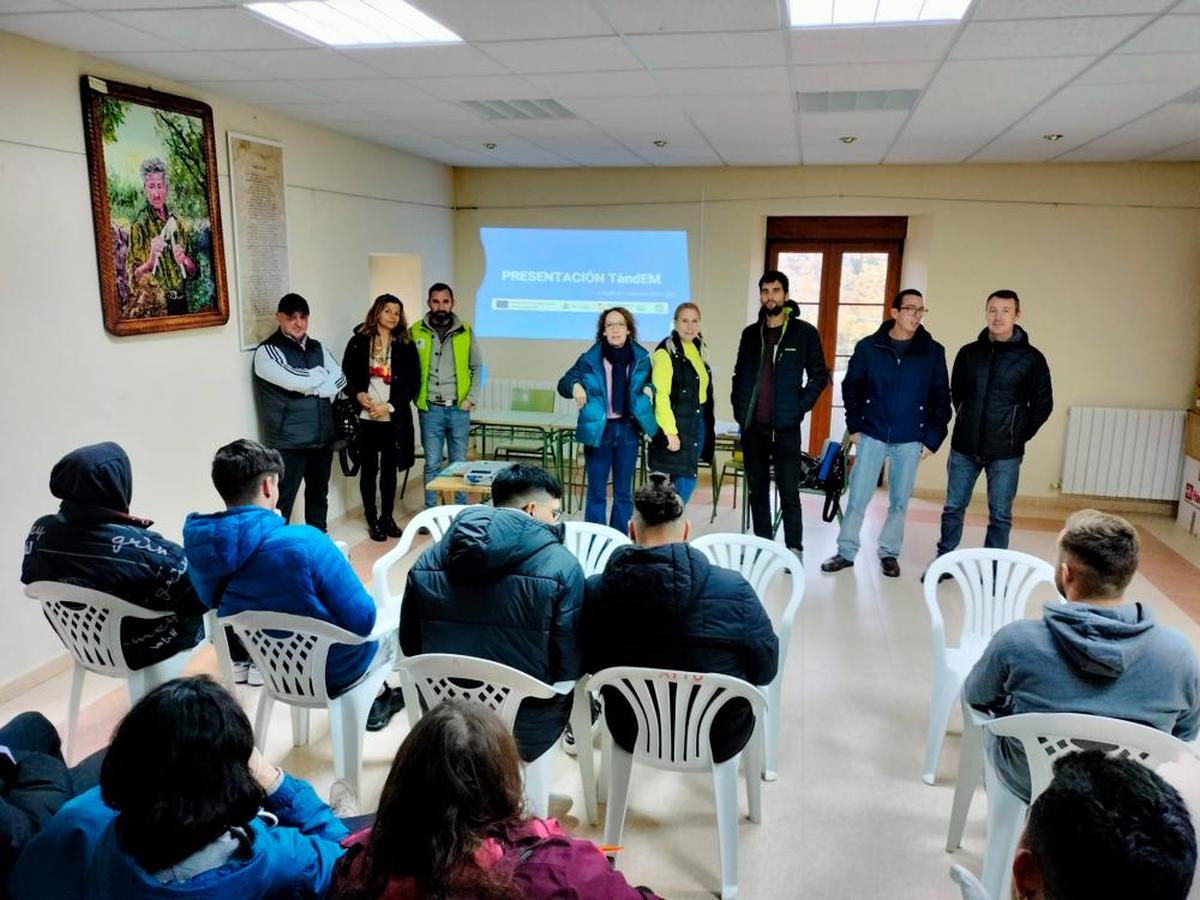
(779, 374)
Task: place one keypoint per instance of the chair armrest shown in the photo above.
(563, 687)
(387, 621)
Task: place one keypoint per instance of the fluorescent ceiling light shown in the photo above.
(826, 13)
(355, 23)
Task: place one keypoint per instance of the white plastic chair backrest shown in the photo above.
(675, 711)
(435, 521)
(448, 676)
(88, 622)
(758, 560)
(290, 651)
(1048, 736)
(592, 544)
(996, 586)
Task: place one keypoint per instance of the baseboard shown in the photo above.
(27, 681)
(1062, 505)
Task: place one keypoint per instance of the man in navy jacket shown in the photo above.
(897, 396)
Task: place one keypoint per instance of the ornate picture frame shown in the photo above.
(152, 167)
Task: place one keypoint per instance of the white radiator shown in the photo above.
(1136, 453)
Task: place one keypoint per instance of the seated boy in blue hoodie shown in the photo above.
(1096, 654)
(249, 558)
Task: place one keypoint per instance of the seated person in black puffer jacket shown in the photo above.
(500, 585)
(663, 605)
(95, 542)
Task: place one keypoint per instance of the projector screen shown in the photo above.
(552, 283)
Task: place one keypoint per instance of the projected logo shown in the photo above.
(552, 283)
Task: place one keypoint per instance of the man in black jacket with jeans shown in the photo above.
(779, 374)
(1001, 393)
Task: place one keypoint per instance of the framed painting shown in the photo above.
(152, 165)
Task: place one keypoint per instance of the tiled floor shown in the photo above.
(849, 816)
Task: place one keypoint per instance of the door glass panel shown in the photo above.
(864, 278)
(808, 312)
(855, 323)
(804, 276)
(838, 374)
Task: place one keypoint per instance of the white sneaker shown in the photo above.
(247, 673)
(342, 799)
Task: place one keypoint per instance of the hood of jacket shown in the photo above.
(97, 475)
(1020, 338)
(1099, 640)
(219, 544)
(484, 541)
(672, 575)
(790, 308)
(921, 339)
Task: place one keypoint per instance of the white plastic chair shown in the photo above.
(1046, 737)
(970, 886)
(675, 735)
(996, 586)
(433, 677)
(291, 652)
(592, 545)
(433, 521)
(759, 560)
(88, 622)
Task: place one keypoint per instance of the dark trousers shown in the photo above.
(310, 465)
(377, 451)
(31, 732)
(762, 446)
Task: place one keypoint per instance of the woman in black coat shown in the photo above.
(382, 375)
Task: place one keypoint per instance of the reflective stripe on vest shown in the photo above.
(460, 342)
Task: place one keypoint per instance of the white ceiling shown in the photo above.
(715, 79)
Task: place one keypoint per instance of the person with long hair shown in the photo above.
(186, 807)
(383, 376)
(610, 383)
(683, 402)
(451, 823)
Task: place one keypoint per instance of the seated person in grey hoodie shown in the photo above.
(1097, 654)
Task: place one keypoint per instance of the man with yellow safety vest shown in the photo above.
(450, 365)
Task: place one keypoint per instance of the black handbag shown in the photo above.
(345, 429)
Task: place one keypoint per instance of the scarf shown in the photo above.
(620, 358)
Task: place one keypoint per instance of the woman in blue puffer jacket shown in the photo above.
(611, 385)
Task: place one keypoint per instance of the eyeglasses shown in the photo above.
(918, 311)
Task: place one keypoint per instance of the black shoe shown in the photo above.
(390, 528)
(836, 563)
(945, 576)
(889, 566)
(386, 705)
(375, 529)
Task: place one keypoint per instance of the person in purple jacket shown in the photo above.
(186, 808)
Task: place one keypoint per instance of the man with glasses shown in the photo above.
(1002, 394)
(897, 397)
(501, 586)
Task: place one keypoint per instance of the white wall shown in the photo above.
(169, 399)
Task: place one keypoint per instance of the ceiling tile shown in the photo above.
(262, 91)
(724, 80)
(1044, 37)
(492, 87)
(864, 76)
(598, 54)
(860, 153)
(575, 130)
(1174, 124)
(1134, 68)
(514, 151)
(490, 20)
(82, 31)
(1050, 9)
(1188, 6)
(596, 84)
(211, 29)
(1182, 153)
(321, 113)
(1170, 34)
(302, 64)
(363, 90)
(683, 51)
(615, 155)
(32, 6)
(682, 16)
(759, 153)
(187, 65)
(867, 126)
(655, 112)
(445, 59)
(92, 5)
(425, 111)
(876, 44)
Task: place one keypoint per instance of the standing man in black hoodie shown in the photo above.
(1001, 394)
(779, 374)
(663, 605)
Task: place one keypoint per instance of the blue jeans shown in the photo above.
(617, 453)
(902, 474)
(439, 425)
(961, 474)
(684, 485)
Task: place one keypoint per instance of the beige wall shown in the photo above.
(1105, 257)
(170, 399)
